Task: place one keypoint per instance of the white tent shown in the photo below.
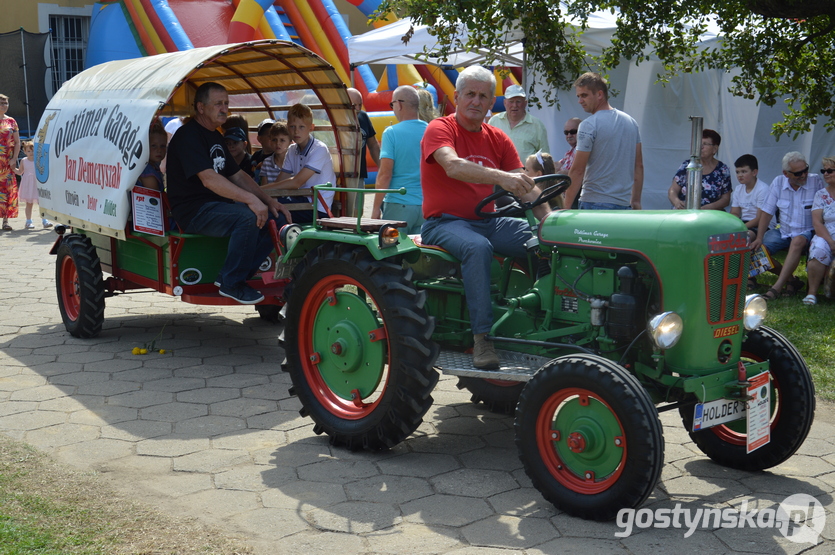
(662, 112)
(385, 45)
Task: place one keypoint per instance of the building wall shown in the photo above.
(17, 13)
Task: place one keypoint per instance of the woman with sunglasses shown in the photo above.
(823, 243)
(716, 177)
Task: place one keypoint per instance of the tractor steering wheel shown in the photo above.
(556, 185)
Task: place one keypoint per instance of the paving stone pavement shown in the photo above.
(210, 431)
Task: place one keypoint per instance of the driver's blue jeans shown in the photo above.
(248, 245)
(474, 242)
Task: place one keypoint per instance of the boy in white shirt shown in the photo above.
(308, 161)
(746, 199)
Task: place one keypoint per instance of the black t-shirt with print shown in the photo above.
(192, 149)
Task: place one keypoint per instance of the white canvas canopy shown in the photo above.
(385, 45)
(662, 112)
(92, 141)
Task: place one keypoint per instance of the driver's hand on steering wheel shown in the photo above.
(518, 184)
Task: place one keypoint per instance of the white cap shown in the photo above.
(513, 91)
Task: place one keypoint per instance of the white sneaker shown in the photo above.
(29, 225)
(46, 223)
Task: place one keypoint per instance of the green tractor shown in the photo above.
(614, 317)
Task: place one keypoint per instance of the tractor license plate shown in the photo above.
(720, 411)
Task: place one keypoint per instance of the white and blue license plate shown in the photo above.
(720, 411)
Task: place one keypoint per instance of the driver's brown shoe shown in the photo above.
(484, 354)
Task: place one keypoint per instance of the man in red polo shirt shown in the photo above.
(462, 159)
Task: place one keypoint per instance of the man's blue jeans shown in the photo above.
(248, 245)
(473, 242)
(774, 241)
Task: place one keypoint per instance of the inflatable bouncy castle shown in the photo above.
(122, 29)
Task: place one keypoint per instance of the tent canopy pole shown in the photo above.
(25, 83)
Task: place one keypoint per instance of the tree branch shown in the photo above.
(791, 9)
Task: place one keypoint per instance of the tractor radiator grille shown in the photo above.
(727, 275)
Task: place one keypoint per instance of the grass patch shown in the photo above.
(49, 509)
(809, 328)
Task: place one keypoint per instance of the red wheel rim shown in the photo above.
(571, 473)
(733, 437)
(309, 353)
(70, 298)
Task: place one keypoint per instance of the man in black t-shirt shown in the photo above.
(210, 195)
(369, 135)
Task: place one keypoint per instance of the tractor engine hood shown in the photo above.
(653, 233)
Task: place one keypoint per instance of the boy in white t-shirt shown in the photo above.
(308, 161)
(747, 198)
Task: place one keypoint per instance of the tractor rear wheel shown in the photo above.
(358, 346)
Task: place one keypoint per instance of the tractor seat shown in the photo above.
(417, 241)
(369, 225)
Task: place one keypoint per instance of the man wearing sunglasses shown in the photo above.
(570, 132)
(792, 194)
(564, 165)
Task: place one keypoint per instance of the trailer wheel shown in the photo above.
(359, 349)
(499, 396)
(80, 286)
(270, 313)
(792, 408)
(589, 436)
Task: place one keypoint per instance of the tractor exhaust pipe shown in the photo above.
(693, 200)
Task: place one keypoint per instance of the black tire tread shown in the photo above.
(411, 374)
(638, 415)
(91, 284)
(797, 399)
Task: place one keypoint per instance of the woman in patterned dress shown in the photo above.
(716, 177)
(9, 150)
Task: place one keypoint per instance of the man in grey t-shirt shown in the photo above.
(608, 163)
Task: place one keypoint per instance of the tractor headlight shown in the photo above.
(755, 311)
(665, 329)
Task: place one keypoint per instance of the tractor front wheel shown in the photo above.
(589, 436)
(792, 408)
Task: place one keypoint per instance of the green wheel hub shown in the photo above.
(587, 437)
(349, 354)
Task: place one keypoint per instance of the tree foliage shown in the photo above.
(777, 51)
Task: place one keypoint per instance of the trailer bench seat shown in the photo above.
(366, 224)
